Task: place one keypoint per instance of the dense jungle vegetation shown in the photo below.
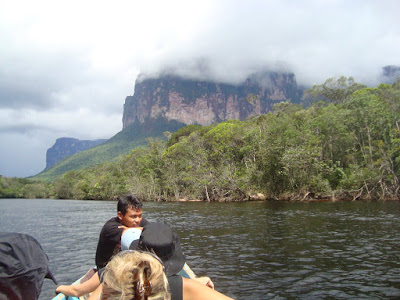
(344, 145)
(112, 150)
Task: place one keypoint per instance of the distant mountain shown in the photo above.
(65, 146)
(203, 102)
(170, 102)
(134, 136)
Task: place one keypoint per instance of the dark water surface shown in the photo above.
(273, 250)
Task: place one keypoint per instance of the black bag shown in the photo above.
(23, 267)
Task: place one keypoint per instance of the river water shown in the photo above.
(252, 250)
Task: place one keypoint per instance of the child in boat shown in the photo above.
(129, 214)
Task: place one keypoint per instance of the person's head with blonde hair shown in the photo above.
(132, 275)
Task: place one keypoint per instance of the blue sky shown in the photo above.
(67, 66)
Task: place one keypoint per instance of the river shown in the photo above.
(251, 250)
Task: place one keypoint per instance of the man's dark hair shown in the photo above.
(128, 201)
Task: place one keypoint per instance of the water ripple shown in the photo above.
(274, 250)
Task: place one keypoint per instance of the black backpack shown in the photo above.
(23, 267)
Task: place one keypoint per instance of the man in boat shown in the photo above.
(129, 215)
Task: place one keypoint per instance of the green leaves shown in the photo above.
(348, 144)
(332, 91)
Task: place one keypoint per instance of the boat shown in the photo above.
(185, 272)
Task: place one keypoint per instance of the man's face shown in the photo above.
(132, 217)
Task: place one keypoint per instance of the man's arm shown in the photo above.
(197, 291)
(109, 241)
(125, 228)
(80, 289)
(112, 231)
(205, 281)
(96, 294)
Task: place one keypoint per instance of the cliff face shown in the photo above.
(170, 102)
(203, 103)
(64, 147)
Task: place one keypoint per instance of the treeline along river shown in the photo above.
(251, 250)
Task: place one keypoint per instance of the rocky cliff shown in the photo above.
(203, 103)
(169, 102)
(64, 147)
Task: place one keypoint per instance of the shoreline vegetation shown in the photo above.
(344, 146)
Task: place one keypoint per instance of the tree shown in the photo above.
(332, 91)
(183, 132)
(374, 129)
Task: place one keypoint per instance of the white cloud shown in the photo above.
(66, 67)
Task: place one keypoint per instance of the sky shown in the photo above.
(66, 67)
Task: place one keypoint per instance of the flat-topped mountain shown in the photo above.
(203, 102)
(168, 103)
(65, 146)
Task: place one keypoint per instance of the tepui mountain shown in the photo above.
(169, 102)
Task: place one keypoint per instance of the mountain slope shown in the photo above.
(133, 136)
(170, 102)
(66, 146)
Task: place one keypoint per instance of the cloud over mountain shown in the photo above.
(66, 67)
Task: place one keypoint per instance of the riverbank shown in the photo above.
(299, 197)
(309, 197)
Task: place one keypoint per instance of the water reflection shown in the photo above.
(274, 250)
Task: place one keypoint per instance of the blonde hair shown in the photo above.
(133, 275)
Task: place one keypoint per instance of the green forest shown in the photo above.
(342, 143)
